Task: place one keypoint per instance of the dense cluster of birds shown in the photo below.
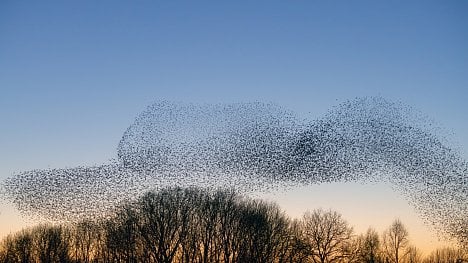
(260, 147)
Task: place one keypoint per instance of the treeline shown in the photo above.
(193, 225)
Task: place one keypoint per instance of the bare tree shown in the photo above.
(206, 224)
(229, 210)
(197, 226)
(164, 223)
(264, 232)
(413, 255)
(327, 234)
(351, 250)
(18, 247)
(121, 236)
(87, 237)
(369, 251)
(298, 248)
(395, 241)
(447, 255)
(43, 243)
(51, 243)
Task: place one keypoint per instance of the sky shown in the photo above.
(75, 74)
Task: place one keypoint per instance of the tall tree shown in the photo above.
(369, 251)
(86, 240)
(121, 236)
(395, 240)
(18, 247)
(327, 234)
(164, 223)
(264, 230)
(51, 243)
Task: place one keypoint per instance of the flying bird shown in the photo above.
(260, 147)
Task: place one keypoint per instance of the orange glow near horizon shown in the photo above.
(373, 205)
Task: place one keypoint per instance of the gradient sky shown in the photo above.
(74, 74)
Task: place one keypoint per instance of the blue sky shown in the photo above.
(74, 74)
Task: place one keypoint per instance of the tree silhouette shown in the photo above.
(200, 226)
(86, 241)
(327, 234)
(447, 255)
(18, 248)
(121, 236)
(395, 240)
(265, 232)
(52, 243)
(413, 255)
(369, 251)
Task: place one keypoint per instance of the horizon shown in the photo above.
(74, 76)
(374, 203)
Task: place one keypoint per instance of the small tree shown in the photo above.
(447, 255)
(413, 255)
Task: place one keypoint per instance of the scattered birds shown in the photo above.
(261, 147)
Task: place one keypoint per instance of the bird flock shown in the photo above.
(253, 147)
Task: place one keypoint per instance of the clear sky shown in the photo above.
(74, 74)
